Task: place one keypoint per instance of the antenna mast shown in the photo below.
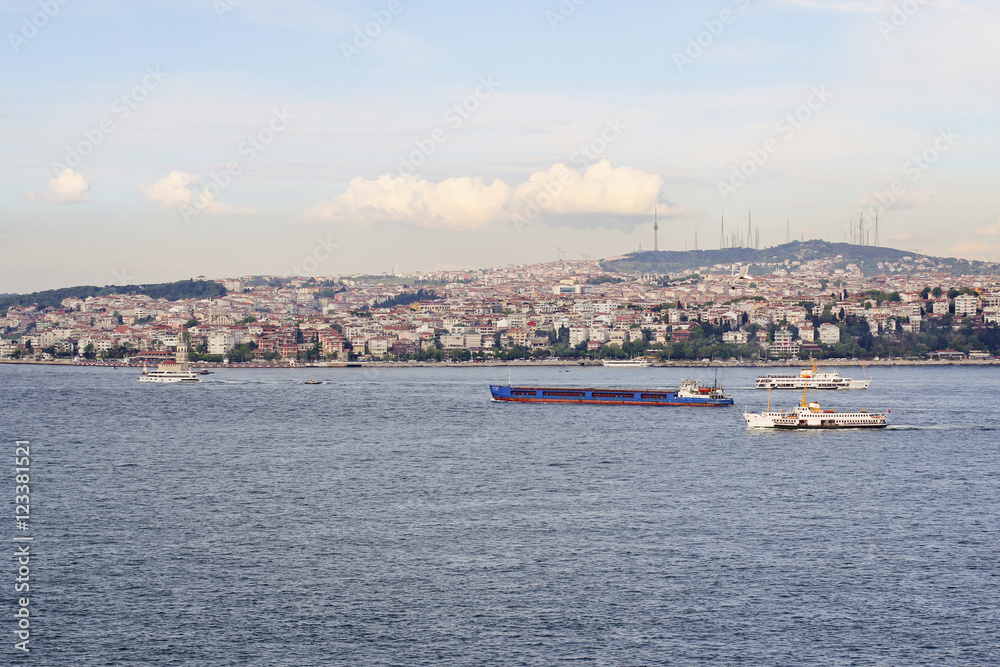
(656, 229)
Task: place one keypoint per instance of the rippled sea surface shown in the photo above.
(399, 517)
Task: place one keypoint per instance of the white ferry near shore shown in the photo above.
(172, 370)
(627, 363)
(810, 378)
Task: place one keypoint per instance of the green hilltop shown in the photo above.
(182, 289)
(866, 257)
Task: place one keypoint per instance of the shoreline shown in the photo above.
(520, 362)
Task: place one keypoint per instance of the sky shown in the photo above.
(156, 141)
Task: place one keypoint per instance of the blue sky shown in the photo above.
(229, 138)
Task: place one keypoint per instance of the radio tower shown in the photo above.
(876, 230)
(749, 228)
(722, 233)
(656, 229)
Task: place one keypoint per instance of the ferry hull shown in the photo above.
(169, 380)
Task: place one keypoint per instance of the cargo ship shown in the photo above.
(690, 393)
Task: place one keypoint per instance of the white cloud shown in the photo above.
(175, 190)
(976, 250)
(68, 187)
(463, 202)
(600, 193)
(992, 230)
(171, 190)
(599, 189)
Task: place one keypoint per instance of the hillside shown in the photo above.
(182, 289)
(866, 257)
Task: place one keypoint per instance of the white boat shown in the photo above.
(628, 363)
(172, 370)
(810, 378)
(811, 416)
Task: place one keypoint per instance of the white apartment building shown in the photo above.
(735, 337)
(220, 342)
(966, 304)
(578, 335)
(829, 334)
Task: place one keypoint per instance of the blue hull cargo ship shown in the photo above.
(690, 393)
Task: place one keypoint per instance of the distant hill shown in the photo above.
(866, 257)
(182, 289)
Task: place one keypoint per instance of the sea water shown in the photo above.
(400, 517)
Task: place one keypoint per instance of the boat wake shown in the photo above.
(942, 427)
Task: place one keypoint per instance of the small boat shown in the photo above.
(204, 371)
(313, 382)
(811, 416)
(690, 393)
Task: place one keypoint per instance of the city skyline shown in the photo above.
(147, 144)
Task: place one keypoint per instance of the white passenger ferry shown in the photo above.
(172, 370)
(627, 363)
(810, 378)
(811, 416)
